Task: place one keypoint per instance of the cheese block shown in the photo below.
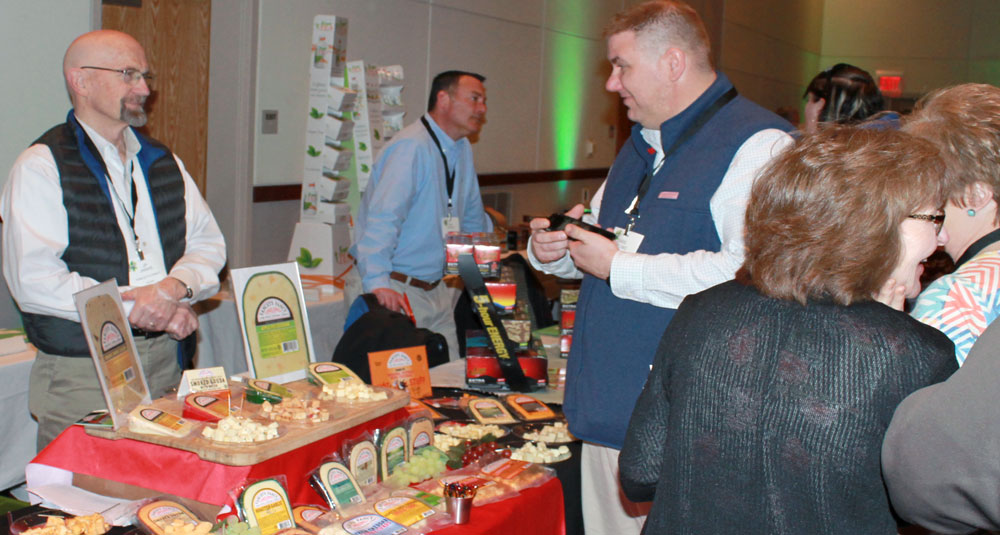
(259, 391)
(265, 505)
(329, 373)
(406, 511)
(420, 433)
(151, 421)
(207, 406)
(305, 515)
(339, 486)
(157, 516)
(529, 408)
(364, 462)
(490, 411)
(392, 450)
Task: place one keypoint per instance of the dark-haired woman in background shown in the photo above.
(769, 396)
(844, 94)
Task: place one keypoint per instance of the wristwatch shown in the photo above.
(188, 293)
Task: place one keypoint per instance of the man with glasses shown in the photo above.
(91, 200)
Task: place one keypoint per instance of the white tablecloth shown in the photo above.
(17, 428)
(220, 342)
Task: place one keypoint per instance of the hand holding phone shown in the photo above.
(559, 222)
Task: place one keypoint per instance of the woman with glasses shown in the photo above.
(964, 123)
(769, 395)
(844, 94)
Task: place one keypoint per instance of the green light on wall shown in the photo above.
(567, 64)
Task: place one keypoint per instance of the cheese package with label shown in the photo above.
(207, 406)
(151, 421)
(265, 504)
(529, 408)
(363, 461)
(489, 411)
(337, 485)
(162, 517)
(306, 515)
(329, 373)
(420, 433)
(392, 449)
(259, 391)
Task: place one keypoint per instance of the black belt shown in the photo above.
(416, 283)
(143, 333)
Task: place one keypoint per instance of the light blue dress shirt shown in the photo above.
(399, 221)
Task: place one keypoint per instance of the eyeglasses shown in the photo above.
(937, 219)
(130, 76)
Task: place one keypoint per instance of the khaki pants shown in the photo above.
(62, 390)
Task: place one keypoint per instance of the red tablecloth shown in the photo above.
(181, 473)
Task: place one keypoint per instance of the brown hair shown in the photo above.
(964, 123)
(663, 24)
(824, 216)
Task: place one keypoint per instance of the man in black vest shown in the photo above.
(93, 200)
(675, 197)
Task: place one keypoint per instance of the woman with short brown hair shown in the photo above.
(769, 395)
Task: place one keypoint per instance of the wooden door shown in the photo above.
(175, 34)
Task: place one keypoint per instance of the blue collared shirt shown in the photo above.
(399, 221)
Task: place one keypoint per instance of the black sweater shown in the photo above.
(762, 415)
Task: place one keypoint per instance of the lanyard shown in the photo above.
(977, 247)
(135, 201)
(688, 132)
(449, 175)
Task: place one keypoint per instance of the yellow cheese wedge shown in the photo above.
(207, 406)
(152, 421)
(267, 506)
(490, 411)
(329, 373)
(364, 462)
(157, 516)
(529, 408)
(420, 433)
(305, 515)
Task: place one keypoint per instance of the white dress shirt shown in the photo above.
(35, 233)
(665, 279)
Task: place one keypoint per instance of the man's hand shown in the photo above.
(390, 299)
(550, 246)
(155, 304)
(183, 323)
(591, 252)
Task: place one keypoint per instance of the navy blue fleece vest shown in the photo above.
(96, 246)
(614, 339)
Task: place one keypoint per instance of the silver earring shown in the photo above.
(971, 212)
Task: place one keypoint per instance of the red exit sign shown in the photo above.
(890, 83)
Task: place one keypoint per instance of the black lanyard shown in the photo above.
(977, 247)
(688, 132)
(449, 175)
(135, 201)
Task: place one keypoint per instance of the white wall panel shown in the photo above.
(528, 12)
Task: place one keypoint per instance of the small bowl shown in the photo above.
(32, 520)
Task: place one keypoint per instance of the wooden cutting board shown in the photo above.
(343, 416)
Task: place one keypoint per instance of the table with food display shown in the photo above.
(332, 454)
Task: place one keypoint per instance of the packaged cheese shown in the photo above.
(265, 504)
(337, 485)
(488, 490)
(517, 474)
(152, 421)
(420, 433)
(164, 517)
(529, 408)
(363, 461)
(392, 449)
(259, 391)
(489, 411)
(306, 515)
(329, 373)
(207, 407)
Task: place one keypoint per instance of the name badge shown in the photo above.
(449, 224)
(628, 243)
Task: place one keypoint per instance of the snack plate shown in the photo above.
(222, 443)
(442, 428)
(519, 431)
(33, 520)
(362, 402)
(558, 459)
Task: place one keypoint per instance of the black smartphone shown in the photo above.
(559, 222)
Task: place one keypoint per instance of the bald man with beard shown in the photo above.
(92, 199)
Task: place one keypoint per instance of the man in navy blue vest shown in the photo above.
(675, 196)
(92, 200)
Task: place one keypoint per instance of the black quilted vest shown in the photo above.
(96, 245)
